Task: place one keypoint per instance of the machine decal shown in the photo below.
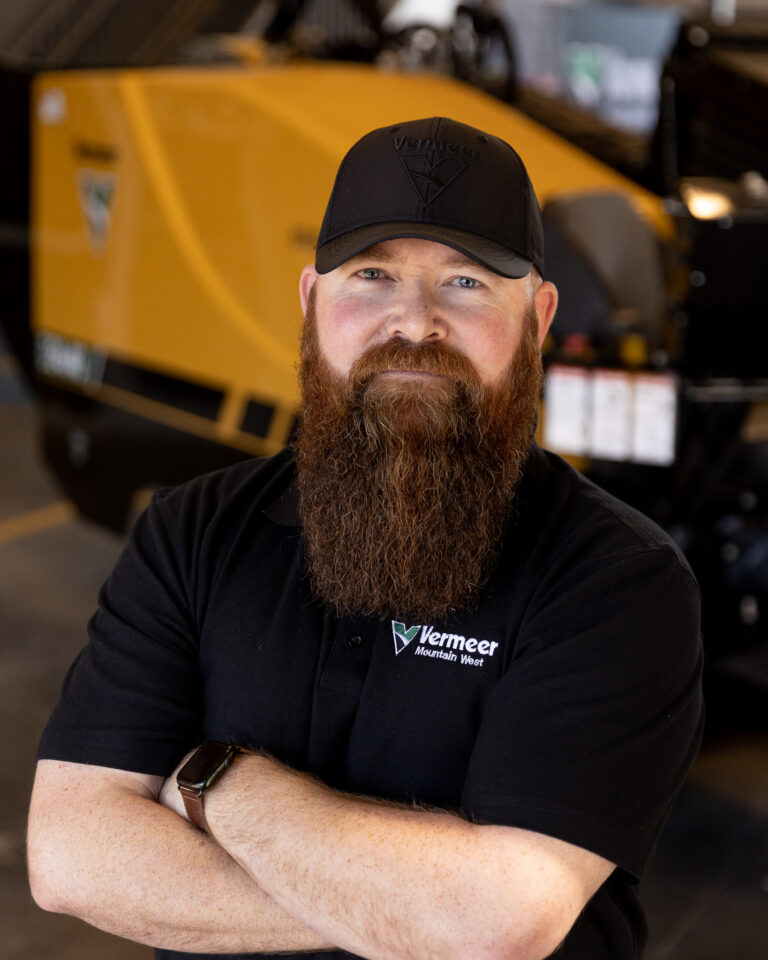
(95, 151)
(611, 414)
(96, 190)
(60, 358)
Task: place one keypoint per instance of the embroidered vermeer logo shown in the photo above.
(468, 651)
(435, 166)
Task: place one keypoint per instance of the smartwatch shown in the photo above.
(200, 772)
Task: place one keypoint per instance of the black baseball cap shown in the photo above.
(436, 179)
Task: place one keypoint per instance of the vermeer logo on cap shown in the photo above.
(435, 166)
(428, 145)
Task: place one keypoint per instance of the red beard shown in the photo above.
(407, 486)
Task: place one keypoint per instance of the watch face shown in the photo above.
(206, 765)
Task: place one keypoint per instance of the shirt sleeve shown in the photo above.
(131, 700)
(589, 734)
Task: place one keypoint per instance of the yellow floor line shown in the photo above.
(35, 521)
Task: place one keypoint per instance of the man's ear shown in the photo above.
(307, 281)
(545, 302)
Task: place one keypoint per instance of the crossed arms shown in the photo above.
(296, 866)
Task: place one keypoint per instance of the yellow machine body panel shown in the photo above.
(173, 210)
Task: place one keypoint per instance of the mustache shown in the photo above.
(432, 358)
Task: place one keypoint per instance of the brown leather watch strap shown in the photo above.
(194, 799)
(193, 804)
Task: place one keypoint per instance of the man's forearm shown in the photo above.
(389, 882)
(125, 864)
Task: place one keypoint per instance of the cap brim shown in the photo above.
(491, 255)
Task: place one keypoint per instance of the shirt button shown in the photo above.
(355, 642)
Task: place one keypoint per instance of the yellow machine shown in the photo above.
(173, 210)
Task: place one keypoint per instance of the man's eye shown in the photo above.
(467, 282)
(369, 273)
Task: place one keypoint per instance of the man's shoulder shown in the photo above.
(570, 508)
(257, 483)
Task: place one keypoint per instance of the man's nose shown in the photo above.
(416, 317)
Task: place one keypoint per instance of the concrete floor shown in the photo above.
(706, 891)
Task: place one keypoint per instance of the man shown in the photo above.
(468, 679)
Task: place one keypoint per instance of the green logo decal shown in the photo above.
(403, 635)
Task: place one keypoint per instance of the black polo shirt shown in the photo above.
(568, 702)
